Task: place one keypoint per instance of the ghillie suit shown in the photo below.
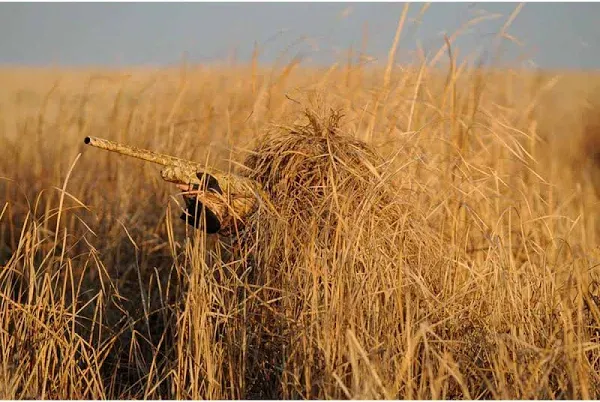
(334, 216)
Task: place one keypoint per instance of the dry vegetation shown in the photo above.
(437, 241)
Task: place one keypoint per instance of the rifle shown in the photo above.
(229, 196)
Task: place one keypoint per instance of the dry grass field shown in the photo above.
(438, 241)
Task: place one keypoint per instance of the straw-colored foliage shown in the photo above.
(428, 233)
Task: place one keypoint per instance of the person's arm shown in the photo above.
(195, 210)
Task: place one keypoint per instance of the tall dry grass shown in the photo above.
(451, 255)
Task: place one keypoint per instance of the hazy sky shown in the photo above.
(554, 35)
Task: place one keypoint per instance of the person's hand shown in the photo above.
(188, 190)
(196, 213)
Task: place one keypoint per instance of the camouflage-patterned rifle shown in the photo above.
(230, 197)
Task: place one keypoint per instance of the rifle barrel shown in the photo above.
(144, 154)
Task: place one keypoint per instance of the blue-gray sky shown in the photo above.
(552, 35)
